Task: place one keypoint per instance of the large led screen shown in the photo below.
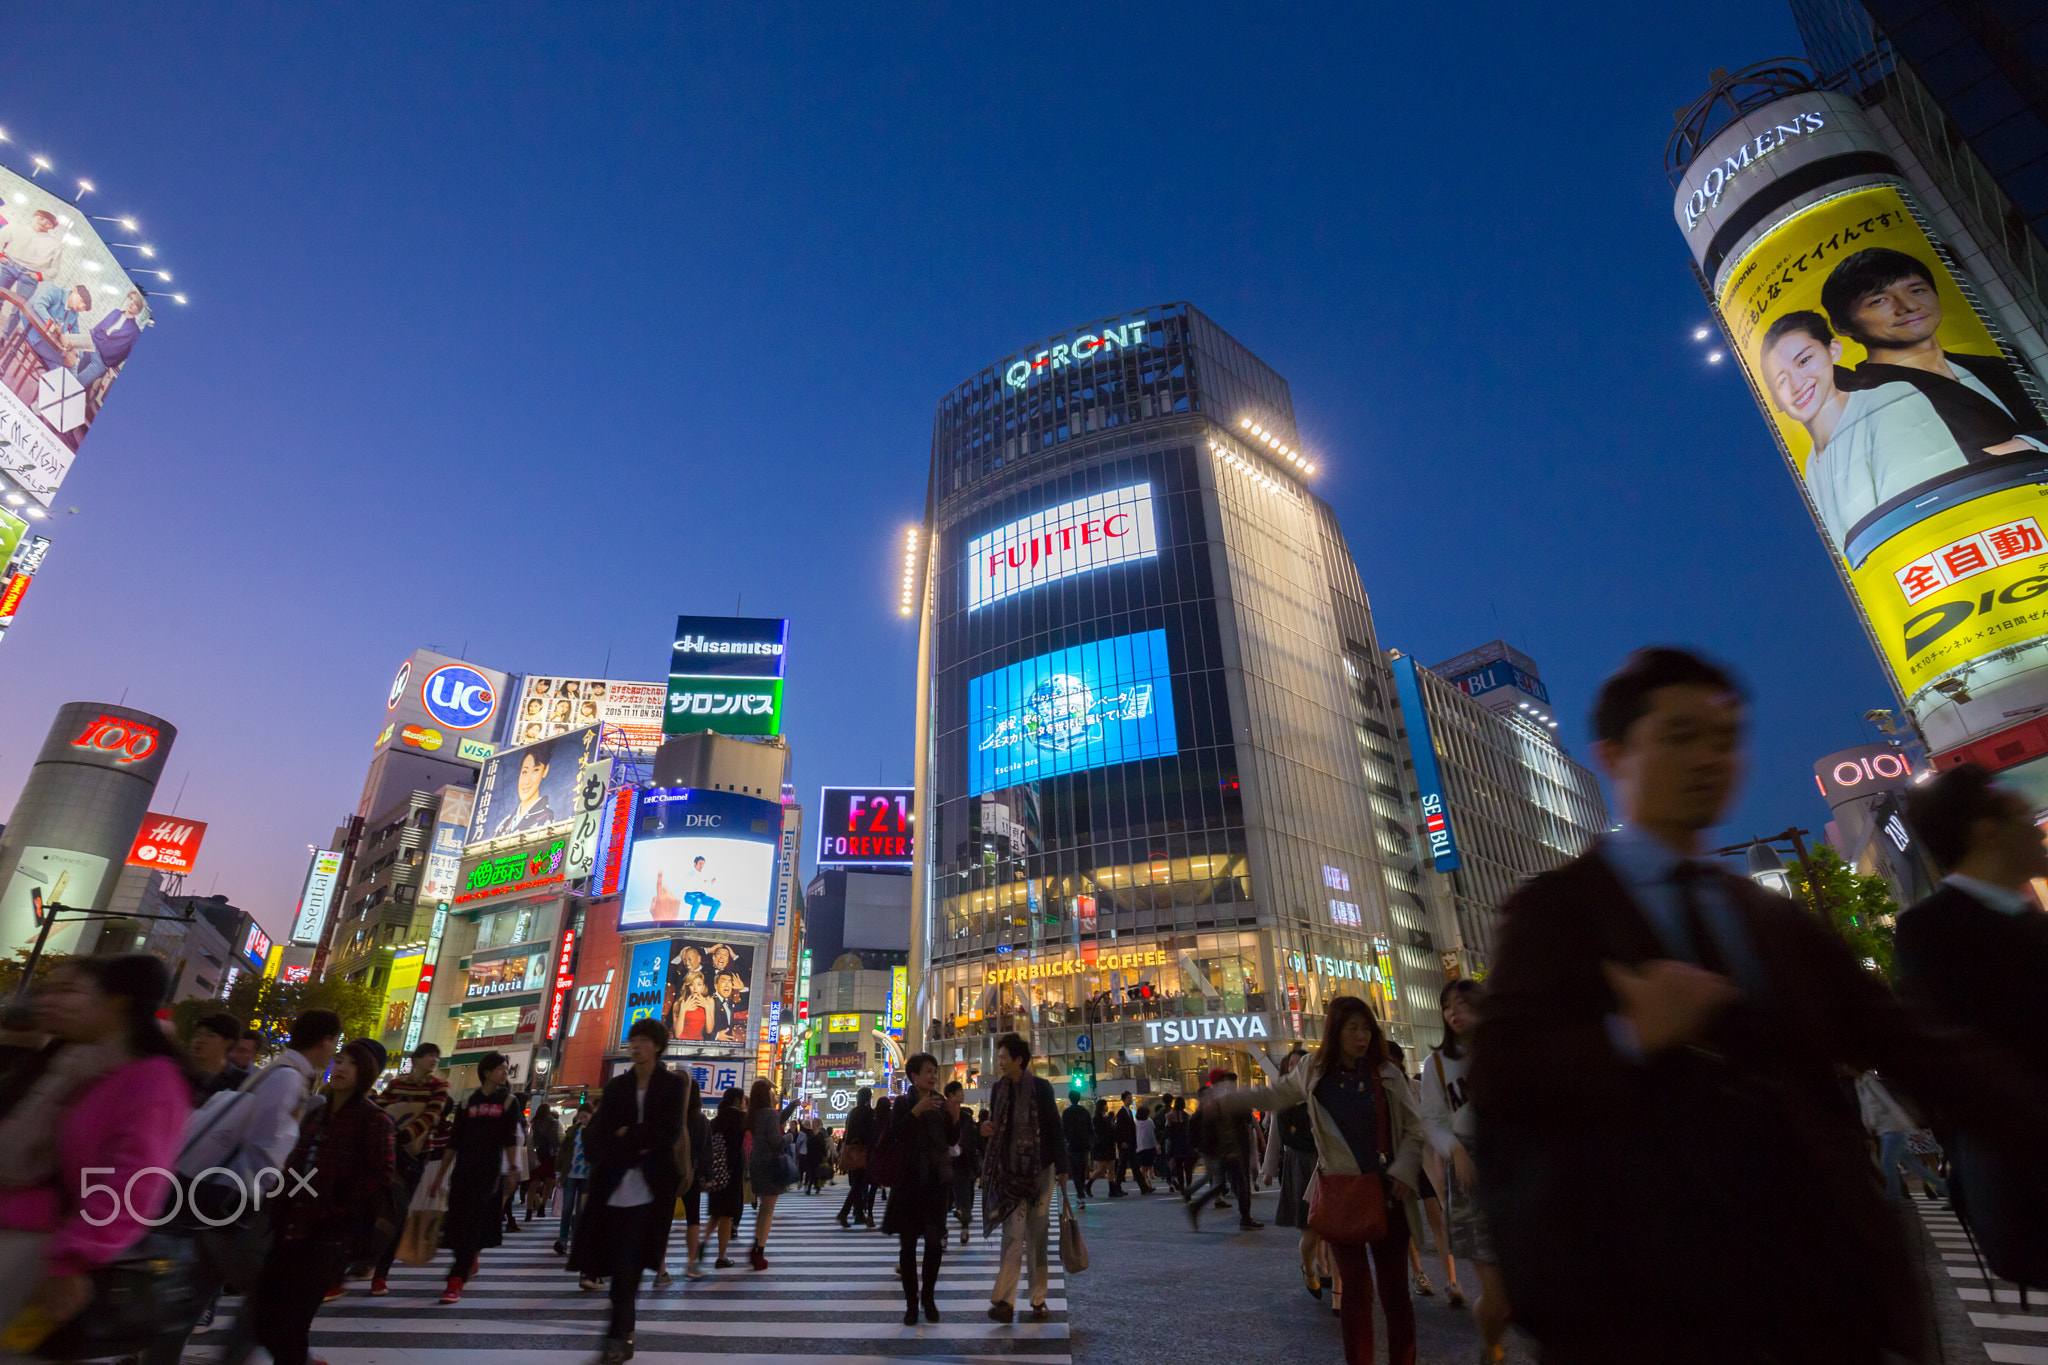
(703, 858)
(1085, 707)
(1074, 537)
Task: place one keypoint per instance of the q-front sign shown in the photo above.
(1083, 347)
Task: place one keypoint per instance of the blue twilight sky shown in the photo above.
(516, 330)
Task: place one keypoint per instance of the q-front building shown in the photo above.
(1165, 816)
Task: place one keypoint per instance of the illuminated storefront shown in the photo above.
(1146, 799)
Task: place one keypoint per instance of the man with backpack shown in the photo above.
(250, 1133)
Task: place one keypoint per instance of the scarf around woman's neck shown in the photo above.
(28, 1134)
(1014, 1165)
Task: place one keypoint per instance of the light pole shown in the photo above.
(1767, 869)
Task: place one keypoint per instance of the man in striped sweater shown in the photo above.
(416, 1100)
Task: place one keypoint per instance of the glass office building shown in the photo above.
(1163, 810)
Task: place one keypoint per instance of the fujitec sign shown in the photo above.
(1074, 537)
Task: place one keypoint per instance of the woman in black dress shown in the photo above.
(485, 1136)
(723, 1170)
(923, 1194)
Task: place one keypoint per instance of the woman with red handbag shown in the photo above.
(1368, 1153)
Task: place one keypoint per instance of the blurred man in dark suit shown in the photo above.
(1975, 953)
(1674, 1171)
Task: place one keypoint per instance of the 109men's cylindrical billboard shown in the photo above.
(1917, 437)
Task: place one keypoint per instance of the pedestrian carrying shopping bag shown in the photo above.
(1073, 1250)
(428, 1212)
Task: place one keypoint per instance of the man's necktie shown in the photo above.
(1687, 879)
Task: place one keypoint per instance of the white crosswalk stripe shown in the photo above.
(2010, 1338)
(829, 1297)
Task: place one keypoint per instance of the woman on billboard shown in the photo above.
(533, 811)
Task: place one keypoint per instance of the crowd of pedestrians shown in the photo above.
(1675, 1122)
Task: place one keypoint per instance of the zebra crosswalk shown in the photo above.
(2013, 1333)
(829, 1297)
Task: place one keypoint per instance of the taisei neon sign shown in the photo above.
(1084, 347)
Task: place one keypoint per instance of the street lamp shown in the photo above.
(1767, 869)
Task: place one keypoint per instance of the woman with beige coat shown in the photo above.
(1364, 1122)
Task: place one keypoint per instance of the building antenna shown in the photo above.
(607, 663)
(465, 651)
(737, 598)
(181, 791)
(124, 698)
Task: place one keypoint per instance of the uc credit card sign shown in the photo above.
(1109, 701)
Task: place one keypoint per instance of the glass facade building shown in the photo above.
(1163, 812)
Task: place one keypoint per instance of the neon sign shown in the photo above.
(1083, 347)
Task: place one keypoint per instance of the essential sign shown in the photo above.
(319, 889)
(167, 843)
(866, 826)
(1074, 537)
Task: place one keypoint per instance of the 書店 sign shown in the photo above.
(1078, 966)
(1220, 1028)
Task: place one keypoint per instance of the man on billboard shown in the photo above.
(732, 1008)
(697, 895)
(533, 810)
(1888, 300)
(29, 255)
(57, 308)
(113, 339)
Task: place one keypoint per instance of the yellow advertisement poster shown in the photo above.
(401, 993)
(1922, 447)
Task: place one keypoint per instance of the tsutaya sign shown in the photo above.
(1207, 1029)
(1079, 966)
(1074, 537)
(1084, 347)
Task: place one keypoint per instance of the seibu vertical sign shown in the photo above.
(1074, 537)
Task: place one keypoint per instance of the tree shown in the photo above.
(1861, 908)
(11, 969)
(269, 1005)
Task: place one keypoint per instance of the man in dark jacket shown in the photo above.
(632, 1149)
(853, 1157)
(1077, 1129)
(1669, 1161)
(1975, 954)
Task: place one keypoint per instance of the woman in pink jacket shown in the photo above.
(109, 1100)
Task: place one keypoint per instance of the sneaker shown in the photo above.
(1002, 1312)
(205, 1323)
(693, 1271)
(560, 1249)
(590, 1284)
(1249, 1225)
(1223, 1203)
(1422, 1287)
(615, 1352)
(722, 1263)
(1040, 1313)
(453, 1293)
(662, 1279)
(335, 1293)
(378, 1289)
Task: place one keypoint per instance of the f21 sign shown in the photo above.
(867, 826)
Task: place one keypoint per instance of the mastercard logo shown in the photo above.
(421, 737)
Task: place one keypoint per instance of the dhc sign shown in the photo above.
(1220, 1029)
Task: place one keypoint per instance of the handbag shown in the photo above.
(1073, 1250)
(786, 1169)
(717, 1168)
(1349, 1210)
(853, 1156)
(139, 1296)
